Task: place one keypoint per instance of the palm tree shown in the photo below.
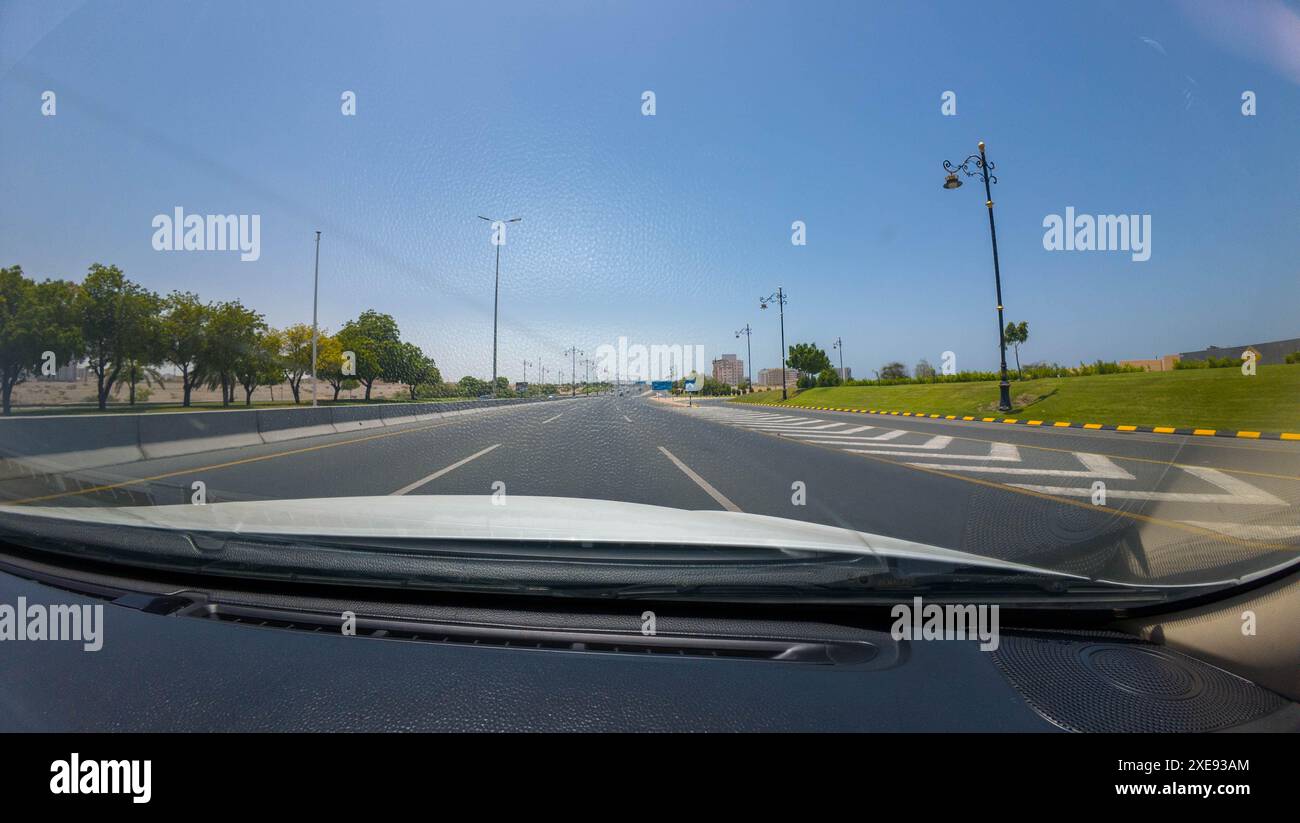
(137, 372)
(1017, 333)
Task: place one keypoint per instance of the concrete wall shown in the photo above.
(61, 443)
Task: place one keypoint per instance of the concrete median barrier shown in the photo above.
(276, 425)
(62, 443)
(67, 443)
(169, 435)
(356, 418)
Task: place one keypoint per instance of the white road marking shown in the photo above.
(936, 443)
(1249, 531)
(549, 419)
(628, 419)
(1001, 453)
(844, 437)
(701, 482)
(1094, 466)
(1238, 491)
(440, 472)
(786, 427)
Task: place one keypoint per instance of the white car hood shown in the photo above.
(520, 518)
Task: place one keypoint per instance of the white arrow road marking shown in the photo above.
(1095, 466)
(1238, 491)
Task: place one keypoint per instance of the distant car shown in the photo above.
(485, 397)
(550, 397)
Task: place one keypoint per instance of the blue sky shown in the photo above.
(668, 229)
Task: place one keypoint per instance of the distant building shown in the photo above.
(1270, 354)
(772, 378)
(729, 369)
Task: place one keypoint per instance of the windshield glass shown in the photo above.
(728, 298)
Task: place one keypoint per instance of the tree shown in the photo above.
(145, 346)
(373, 338)
(112, 312)
(231, 342)
(329, 365)
(472, 387)
(34, 318)
(296, 350)
(1015, 334)
(413, 369)
(924, 371)
(808, 358)
(828, 377)
(184, 326)
(261, 364)
(892, 371)
(136, 373)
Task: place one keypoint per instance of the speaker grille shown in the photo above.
(1104, 684)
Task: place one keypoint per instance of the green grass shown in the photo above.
(1200, 398)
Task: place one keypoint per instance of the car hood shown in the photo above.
(516, 518)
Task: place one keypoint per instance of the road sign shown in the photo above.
(662, 385)
(692, 385)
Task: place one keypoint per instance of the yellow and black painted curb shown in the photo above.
(1059, 424)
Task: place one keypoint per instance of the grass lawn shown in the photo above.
(1191, 398)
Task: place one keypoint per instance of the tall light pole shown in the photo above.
(496, 289)
(779, 299)
(526, 365)
(749, 352)
(984, 171)
(839, 344)
(573, 351)
(315, 294)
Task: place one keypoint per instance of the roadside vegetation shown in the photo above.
(1217, 398)
(135, 341)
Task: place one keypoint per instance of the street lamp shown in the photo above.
(496, 294)
(315, 295)
(778, 298)
(839, 344)
(526, 365)
(573, 351)
(984, 171)
(749, 352)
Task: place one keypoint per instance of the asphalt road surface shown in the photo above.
(1173, 509)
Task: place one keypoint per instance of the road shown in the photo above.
(1174, 506)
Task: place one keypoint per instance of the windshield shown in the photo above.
(819, 300)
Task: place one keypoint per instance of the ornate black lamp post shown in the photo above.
(983, 169)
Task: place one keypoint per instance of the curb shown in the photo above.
(1065, 424)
